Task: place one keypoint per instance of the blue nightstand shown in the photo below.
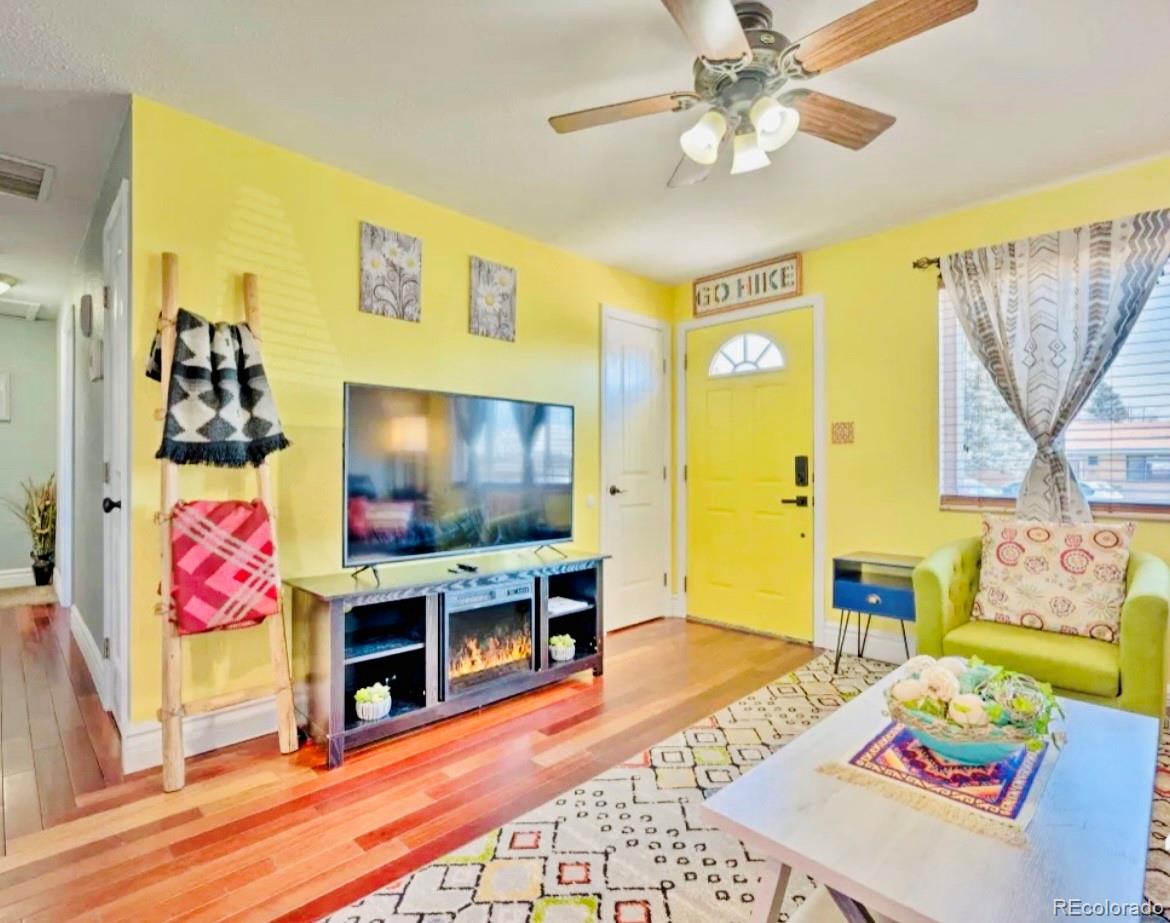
(870, 583)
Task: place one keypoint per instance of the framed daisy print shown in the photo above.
(391, 273)
(493, 300)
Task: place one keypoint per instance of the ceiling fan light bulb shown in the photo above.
(787, 126)
(701, 141)
(766, 114)
(749, 155)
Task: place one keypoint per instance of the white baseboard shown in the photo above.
(92, 653)
(16, 577)
(882, 644)
(142, 740)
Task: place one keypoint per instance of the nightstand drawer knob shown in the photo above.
(873, 599)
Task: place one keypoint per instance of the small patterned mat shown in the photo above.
(998, 799)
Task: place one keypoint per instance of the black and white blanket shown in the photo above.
(220, 407)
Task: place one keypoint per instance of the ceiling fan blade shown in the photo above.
(875, 26)
(689, 173)
(635, 108)
(837, 120)
(712, 28)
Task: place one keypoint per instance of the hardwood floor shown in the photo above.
(260, 836)
(57, 745)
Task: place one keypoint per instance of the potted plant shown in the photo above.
(372, 702)
(562, 647)
(38, 512)
(972, 712)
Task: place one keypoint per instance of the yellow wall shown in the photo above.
(226, 204)
(882, 356)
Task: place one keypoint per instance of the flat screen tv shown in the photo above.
(430, 473)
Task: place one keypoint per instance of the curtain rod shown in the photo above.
(927, 262)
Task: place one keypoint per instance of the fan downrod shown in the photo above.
(753, 16)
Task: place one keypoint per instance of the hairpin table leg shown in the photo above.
(842, 631)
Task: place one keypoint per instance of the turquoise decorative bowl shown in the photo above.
(969, 746)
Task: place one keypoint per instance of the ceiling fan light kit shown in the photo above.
(7, 282)
(745, 70)
(787, 124)
(749, 155)
(701, 141)
(766, 114)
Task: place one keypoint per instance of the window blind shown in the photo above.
(1118, 446)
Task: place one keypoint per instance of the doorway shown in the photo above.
(750, 434)
(635, 459)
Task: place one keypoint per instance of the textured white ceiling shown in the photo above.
(75, 133)
(448, 100)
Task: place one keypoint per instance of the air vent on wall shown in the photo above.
(24, 178)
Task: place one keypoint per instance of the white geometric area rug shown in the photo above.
(628, 847)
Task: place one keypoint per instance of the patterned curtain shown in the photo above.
(1047, 316)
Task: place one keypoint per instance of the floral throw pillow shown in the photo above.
(1065, 578)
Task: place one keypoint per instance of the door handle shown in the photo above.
(614, 490)
(795, 501)
(108, 505)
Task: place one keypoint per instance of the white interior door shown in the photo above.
(634, 459)
(116, 440)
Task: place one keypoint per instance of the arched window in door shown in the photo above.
(745, 353)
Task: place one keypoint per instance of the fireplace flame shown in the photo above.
(475, 656)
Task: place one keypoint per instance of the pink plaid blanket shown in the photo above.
(223, 567)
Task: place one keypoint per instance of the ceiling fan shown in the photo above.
(743, 75)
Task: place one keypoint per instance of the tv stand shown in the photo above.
(409, 630)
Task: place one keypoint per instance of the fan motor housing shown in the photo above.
(716, 84)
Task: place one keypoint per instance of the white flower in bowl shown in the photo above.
(967, 709)
(909, 689)
(957, 665)
(917, 664)
(940, 682)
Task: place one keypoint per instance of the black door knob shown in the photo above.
(614, 490)
(108, 505)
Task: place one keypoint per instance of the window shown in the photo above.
(745, 353)
(1118, 446)
(500, 453)
(1147, 467)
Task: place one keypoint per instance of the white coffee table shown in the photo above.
(1087, 841)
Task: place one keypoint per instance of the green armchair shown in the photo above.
(1129, 675)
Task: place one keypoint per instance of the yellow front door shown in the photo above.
(749, 417)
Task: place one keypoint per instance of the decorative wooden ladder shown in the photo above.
(173, 708)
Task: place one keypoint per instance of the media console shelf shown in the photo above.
(444, 642)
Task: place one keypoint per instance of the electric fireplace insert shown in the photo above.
(488, 636)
